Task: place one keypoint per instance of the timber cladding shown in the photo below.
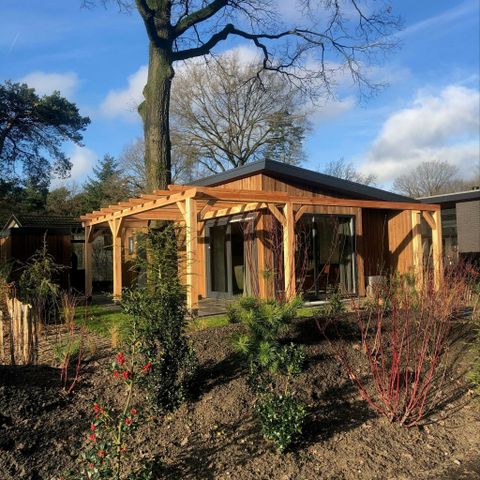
(400, 241)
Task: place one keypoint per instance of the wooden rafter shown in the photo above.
(234, 210)
(168, 204)
(145, 206)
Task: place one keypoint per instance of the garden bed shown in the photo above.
(213, 435)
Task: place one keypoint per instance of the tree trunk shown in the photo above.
(155, 114)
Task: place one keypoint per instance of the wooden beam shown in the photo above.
(234, 210)
(289, 252)
(207, 207)
(116, 229)
(260, 235)
(360, 253)
(417, 248)
(191, 228)
(181, 207)
(430, 220)
(437, 250)
(300, 212)
(88, 250)
(144, 206)
(277, 213)
(282, 197)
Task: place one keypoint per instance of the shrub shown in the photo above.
(160, 318)
(108, 448)
(271, 365)
(404, 337)
(281, 418)
(38, 283)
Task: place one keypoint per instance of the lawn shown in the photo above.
(102, 319)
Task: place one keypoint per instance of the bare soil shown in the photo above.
(214, 435)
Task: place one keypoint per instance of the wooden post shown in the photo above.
(360, 253)
(437, 250)
(289, 251)
(116, 229)
(192, 249)
(88, 249)
(417, 247)
(260, 239)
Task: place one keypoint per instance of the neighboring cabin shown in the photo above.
(460, 224)
(23, 234)
(269, 228)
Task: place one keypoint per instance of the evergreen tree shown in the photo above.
(107, 186)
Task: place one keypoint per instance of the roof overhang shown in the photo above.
(214, 202)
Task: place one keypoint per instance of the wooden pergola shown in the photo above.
(194, 205)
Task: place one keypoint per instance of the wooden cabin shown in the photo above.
(272, 229)
(23, 234)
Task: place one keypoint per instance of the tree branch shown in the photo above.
(148, 17)
(199, 16)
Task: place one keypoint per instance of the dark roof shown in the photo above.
(306, 177)
(32, 220)
(454, 197)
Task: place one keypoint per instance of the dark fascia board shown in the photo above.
(469, 195)
(303, 176)
(38, 231)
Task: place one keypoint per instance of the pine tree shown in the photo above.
(107, 186)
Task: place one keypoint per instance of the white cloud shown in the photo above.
(45, 83)
(124, 102)
(83, 160)
(443, 126)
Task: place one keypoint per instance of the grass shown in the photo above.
(101, 319)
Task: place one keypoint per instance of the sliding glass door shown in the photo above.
(325, 256)
(227, 254)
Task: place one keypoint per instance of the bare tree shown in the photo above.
(224, 120)
(332, 37)
(429, 178)
(347, 171)
(132, 162)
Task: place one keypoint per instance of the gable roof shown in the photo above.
(20, 220)
(303, 176)
(454, 197)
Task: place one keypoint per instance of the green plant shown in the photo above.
(281, 418)
(334, 305)
(66, 350)
(38, 282)
(271, 365)
(159, 313)
(108, 448)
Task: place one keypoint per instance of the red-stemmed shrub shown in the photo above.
(405, 335)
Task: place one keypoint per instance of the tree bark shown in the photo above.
(155, 114)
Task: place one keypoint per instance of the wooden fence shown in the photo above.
(18, 333)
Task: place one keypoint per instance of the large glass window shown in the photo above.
(325, 256)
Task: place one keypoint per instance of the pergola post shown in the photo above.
(289, 251)
(116, 229)
(437, 250)
(88, 250)
(192, 250)
(417, 247)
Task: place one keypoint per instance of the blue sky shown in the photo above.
(430, 110)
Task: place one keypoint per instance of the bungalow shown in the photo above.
(23, 234)
(268, 228)
(460, 212)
